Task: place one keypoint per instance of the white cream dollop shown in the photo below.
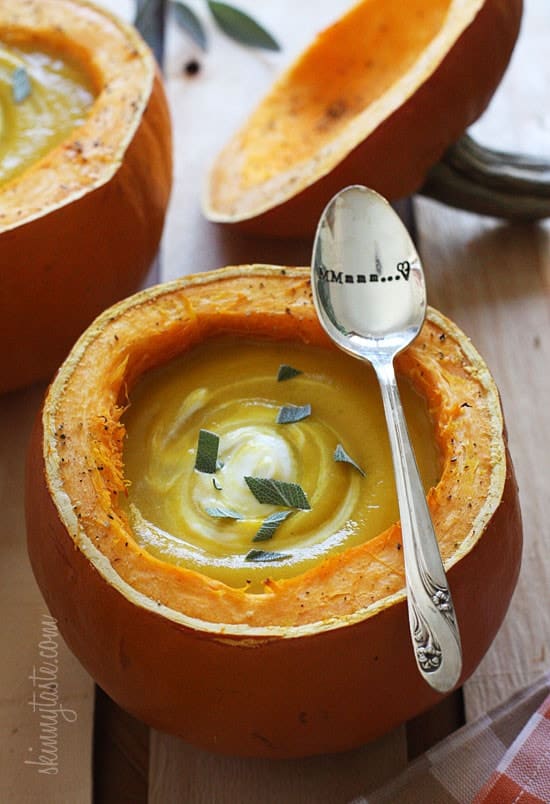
(256, 451)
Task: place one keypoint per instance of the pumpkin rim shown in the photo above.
(64, 503)
(121, 90)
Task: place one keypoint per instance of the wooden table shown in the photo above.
(492, 278)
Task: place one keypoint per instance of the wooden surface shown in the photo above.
(31, 648)
(491, 278)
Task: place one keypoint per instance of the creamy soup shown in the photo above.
(301, 466)
(34, 121)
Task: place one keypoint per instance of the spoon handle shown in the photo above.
(432, 622)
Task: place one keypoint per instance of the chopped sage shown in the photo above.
(286, 372)
(270, 525)
(20, 85)
(207, 452)
(241, 27)
(265, 555)
(293, 413)
(341, 455)
(220, 512)
(278, 492)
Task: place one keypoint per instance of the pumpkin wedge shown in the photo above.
(317, 662)
(80, 227)
(376, 99)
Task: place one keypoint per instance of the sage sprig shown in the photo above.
(234, 23)
(219, 512)
(190, 23)
(20, 85)
(341, 455)
(206, 459)
(265, 555)
(241, 27)
(278, 492)
(270, 525)
(287, 372)
(289, 414)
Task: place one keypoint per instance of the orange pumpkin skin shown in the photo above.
(395, 157)
(93, 244)
(251, 692)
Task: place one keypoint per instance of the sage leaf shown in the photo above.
(20, 85)
(287, 372)
(241, 27)
(149, 21)
(219, 512)
(270, 525)
(206, 459)
(341, 455)
(278, 492)
(190, 23)
(265, 555)
(293, 413)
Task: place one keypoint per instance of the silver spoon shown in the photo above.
(370, 296)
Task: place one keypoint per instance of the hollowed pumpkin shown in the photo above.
(375, 99)
(318, 662)
(80, 227)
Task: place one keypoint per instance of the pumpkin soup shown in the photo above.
(42, 99)
(301, 467)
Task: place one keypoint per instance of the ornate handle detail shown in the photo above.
(427, 648)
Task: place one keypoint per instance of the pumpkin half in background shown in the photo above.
(80, 227)
(376, 99)
(318, 662)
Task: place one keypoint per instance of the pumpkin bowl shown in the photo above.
(318, 662)
(375, 99)
(80, 227)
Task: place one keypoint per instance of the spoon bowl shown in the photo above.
(370, 296)
(368, 280)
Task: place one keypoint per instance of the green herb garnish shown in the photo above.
(20, 85)
(241, 27)
(341, 455)
(278, 492)
(190, 23)
(207, 452)
(293, 413)
(287, 372)
(232, 21)
(265, 555)
(270, 525)
(149, 20)
(220, 512)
